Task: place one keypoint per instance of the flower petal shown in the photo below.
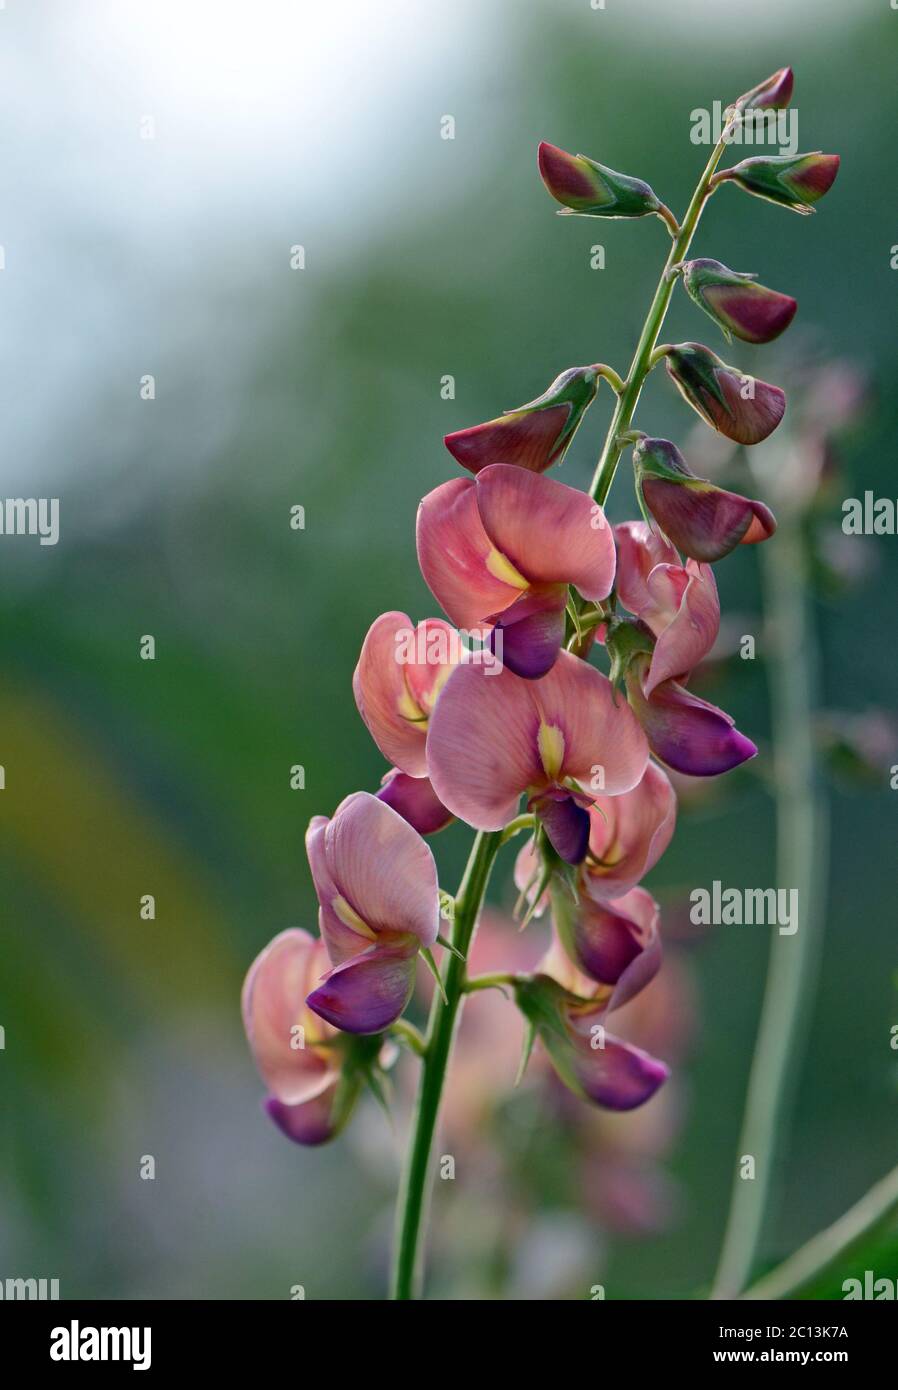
(369, 992)
(368, 863)
(274, 1004)
(550, 532)
(310, 1123)
(628, 834)
(687, 733)
(691, 633)
(459, 562)
(639, 550)
(414, 799)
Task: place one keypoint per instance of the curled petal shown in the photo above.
(687, 733)
(639, 550)
(528, 636)
(310, 1123)
(414, 799)
(369, 992)
(565, 819)
(281, 1032)
(617, 1076)
(373, 875)
(628, 834)
(400, 672)
(617, 943)
(690, 634)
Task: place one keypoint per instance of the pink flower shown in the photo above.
(615, 943)
(678, 603)
(560, 739)
(502, 549)
(379, 898)
(399, 675)
(287, 1039)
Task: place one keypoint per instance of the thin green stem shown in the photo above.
(415, 1185)
(641, 364)
(793, 662)
(495, 981)
(875, 1210)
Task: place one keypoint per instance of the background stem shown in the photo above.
(802, 825)
(874, 1211)
(415, 1185)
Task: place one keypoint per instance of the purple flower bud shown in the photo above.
(592, 190)
(738, 305)
(775, 91)
(737, 405)
(533, 436)
(592, 1063)
(415, 801)
(704, 521)
(687, 733)
(793, 181)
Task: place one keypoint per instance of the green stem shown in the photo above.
(489, 981)
(801, 860)
(641, 364)
(874, 1210)
(415, 1184)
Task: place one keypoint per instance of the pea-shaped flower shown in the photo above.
(293, 1048)
(591, 189)
(379, 906)
(501, 550)
(559, 740)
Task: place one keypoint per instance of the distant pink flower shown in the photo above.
(502, 550)
(379, 905)
(561, 740)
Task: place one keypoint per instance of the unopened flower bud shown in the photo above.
(592, 190)
(793, 181)
(704, 521)
(737, 304)
(775, 91)
(744, 409)
(534, 435)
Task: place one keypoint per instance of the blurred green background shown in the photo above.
(279, 125)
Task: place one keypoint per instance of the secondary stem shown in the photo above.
(414, 1188)
(801, 860)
